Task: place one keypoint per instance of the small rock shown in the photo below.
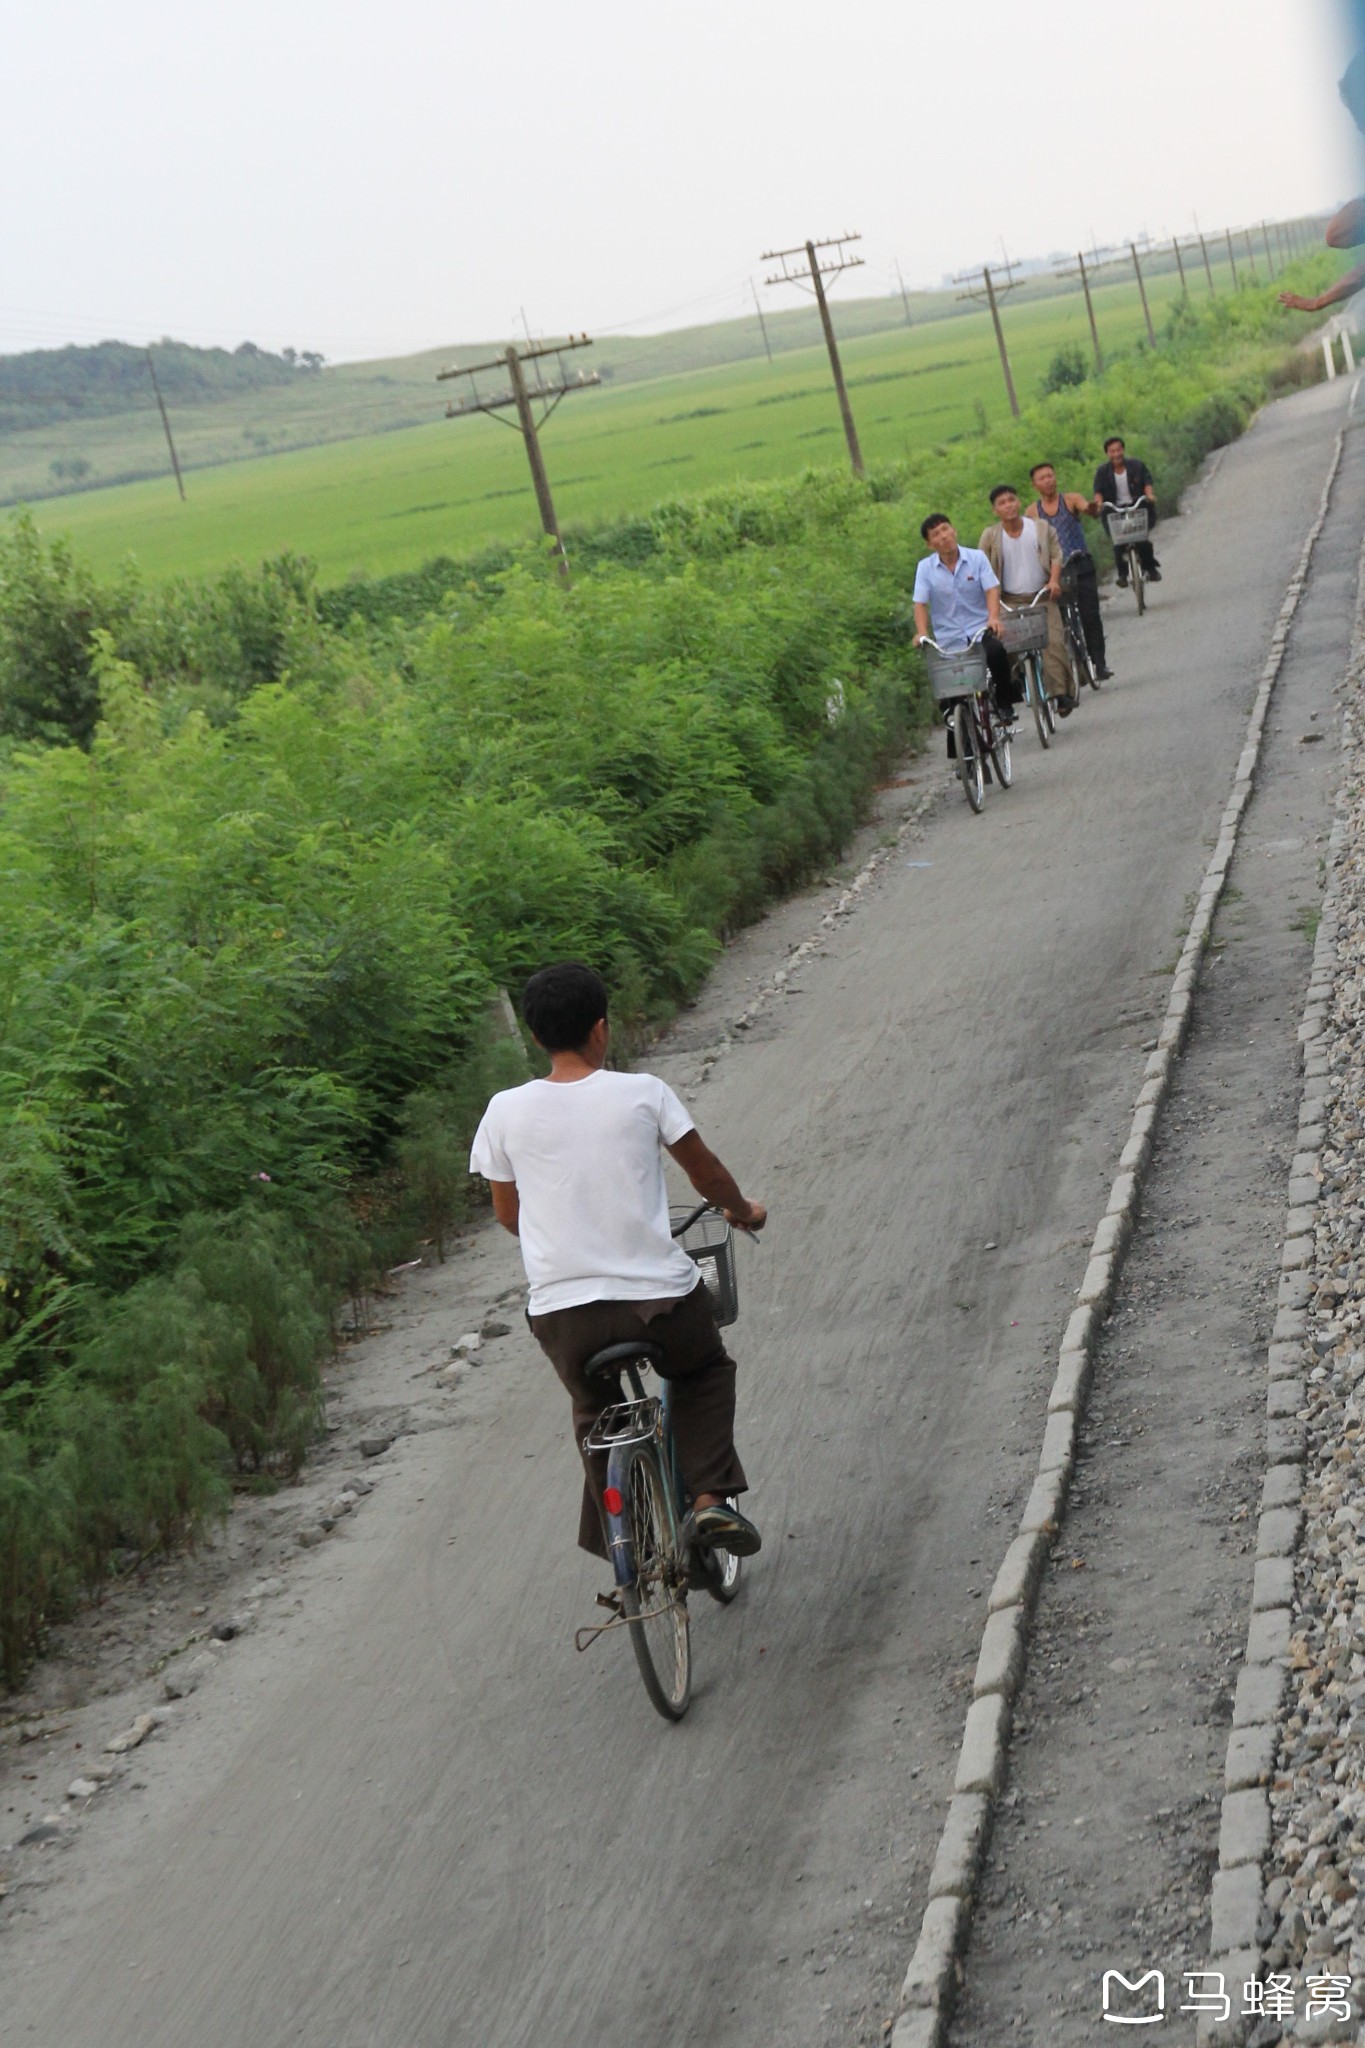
(46, 1831)
(82, 1788)
(308, 1539)
(131, 1737)
(266, 1589)
(496, 1330)
(360, 1487)
(374, 1446)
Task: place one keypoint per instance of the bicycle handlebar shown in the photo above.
(707, 1209)
(975, 641)
(1015, 609)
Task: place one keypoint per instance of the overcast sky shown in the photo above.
(371, 179)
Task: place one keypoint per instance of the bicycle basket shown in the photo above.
(956, 675)
(1127, 525)
(711, 1242)
(1024, 632)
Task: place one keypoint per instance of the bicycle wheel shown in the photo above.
(1002, 757)
(1139, 585)
(968, 755)
(1038, 701)
(655, 1601)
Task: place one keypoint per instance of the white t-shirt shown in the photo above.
(587, 1159)
(1123, 487)
(1023, 567)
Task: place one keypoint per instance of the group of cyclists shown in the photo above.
(575, 1161)
(1025, 551)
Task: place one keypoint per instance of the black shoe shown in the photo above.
(1105, 674)
(722, 1528)
(1154, 575)
(1122, 582)
(1065, 707)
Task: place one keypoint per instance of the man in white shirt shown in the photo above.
(1027, 557)
(575, 1168)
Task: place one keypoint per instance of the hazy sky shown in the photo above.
(372, 179)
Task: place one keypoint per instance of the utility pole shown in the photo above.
(1269, 259)
(905, 296)
(1142, 294)
(988, 290)
(1236, 281)
(1084, 276)
(762, 323)
(820, 268)
(517, 395)
(1180, 266)
(175, 460)
(1208, 267)
(1251, 253)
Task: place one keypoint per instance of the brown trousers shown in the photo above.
(695, 1361)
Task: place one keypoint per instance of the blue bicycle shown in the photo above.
(654, 1564)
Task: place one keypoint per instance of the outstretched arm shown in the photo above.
(715, 1182)
(1344, 288)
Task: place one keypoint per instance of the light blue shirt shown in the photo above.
(956, 597)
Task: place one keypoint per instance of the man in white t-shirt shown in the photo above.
(1027, 557)
(575, 1168)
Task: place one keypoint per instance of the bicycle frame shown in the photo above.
(660, 1432)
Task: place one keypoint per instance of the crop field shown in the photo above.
(391, 500)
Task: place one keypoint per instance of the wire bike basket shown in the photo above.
(1024, 631)
(956, 675)
(711, 1243)
(1128, 525)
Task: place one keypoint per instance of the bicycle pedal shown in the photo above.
(612, 1603)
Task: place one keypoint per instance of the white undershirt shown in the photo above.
(1022, 568)
(1123, 490)
(587, 1159)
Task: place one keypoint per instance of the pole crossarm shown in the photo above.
(525, 355)
(829, 266)
(502, 399)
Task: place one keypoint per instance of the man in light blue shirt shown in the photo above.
(959, 590)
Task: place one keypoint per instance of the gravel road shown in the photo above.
(411, 1815)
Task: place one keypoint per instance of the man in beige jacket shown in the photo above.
(1027, 557)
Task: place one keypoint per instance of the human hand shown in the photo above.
(754, 1217)
(1299, 305)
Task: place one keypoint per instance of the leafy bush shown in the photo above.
(1068, 367)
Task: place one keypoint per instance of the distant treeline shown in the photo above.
(52, 384)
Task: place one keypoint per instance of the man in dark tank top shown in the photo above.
(1064, 511)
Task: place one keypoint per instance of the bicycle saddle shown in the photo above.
(603, 1364)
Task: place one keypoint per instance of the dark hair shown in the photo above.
(926, 526)
(562, 1003)
(1000, 491)
(1043, 465)
(1110, 440)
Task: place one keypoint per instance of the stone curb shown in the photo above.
(934, 1971)
(1238, 1896)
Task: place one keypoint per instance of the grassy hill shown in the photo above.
(393, 494)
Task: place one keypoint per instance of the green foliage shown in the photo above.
(1067, 368)
(112, 377)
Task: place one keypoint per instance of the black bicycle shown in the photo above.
(1083, 669)
(654, 1563)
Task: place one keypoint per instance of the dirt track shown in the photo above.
(408, 1815)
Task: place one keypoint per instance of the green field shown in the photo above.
(393, 499)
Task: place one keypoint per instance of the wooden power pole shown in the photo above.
(1180, 266)
(524, 399)
(990, 289)
(161, 403)
(905, 296)
(820, 268)
(1142, 293)
(1084, 275)
(762, 323)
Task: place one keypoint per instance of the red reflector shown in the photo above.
(612, 1497)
